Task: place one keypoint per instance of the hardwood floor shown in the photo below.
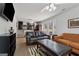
(21, 47)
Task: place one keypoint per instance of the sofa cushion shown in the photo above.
(72, 37)
(66, 42)
(69, 35)
(74, 45)
(74, 40)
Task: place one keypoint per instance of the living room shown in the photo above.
(38, 26)
(58, 23)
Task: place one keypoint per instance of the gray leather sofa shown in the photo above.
(32, 37)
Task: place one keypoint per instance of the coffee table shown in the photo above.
(55, 48)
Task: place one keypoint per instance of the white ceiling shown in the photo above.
(33, 10)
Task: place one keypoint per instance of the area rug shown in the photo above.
(35, 52)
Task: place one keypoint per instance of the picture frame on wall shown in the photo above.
(73, 23)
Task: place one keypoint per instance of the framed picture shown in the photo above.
(73, 23)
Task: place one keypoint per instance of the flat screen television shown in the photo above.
(8, 11)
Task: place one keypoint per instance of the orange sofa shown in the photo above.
(69, 39)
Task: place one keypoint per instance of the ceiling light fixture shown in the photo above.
(50, 7)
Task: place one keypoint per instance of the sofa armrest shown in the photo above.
(58, 37)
